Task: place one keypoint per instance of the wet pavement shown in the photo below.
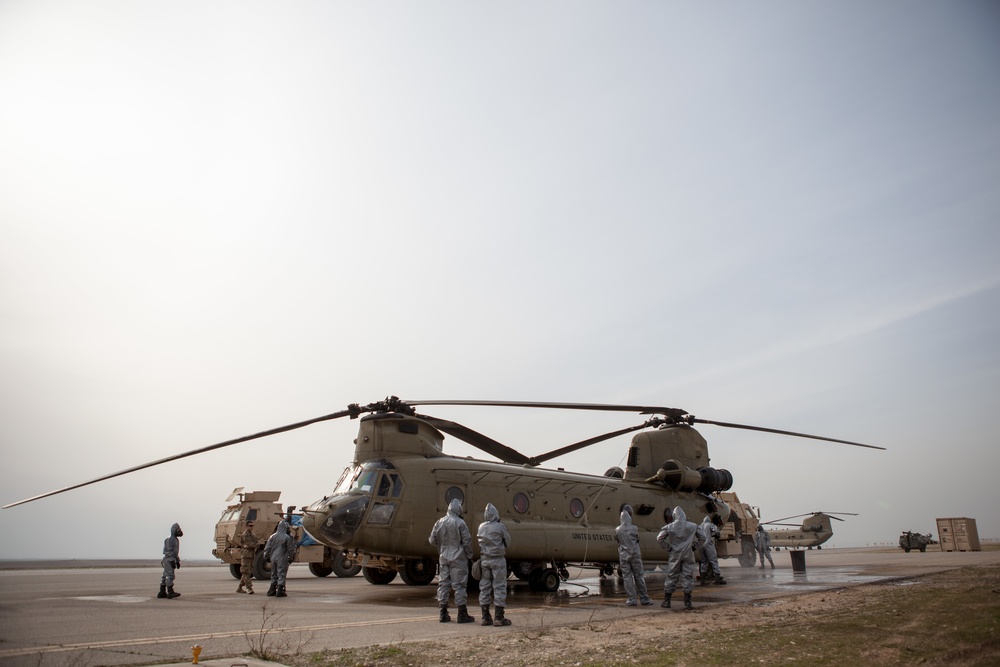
(111, 616)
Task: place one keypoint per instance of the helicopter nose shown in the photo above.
(341, 520)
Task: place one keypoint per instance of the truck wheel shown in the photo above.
(320, 570)
(378, 576)
(922, 548)
(417, 571)
(906, 549)
(235, 571)
(749, 556)
(261, 567)
(344, 565)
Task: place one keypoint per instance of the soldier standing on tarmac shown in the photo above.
(709, 554)
(171, 561)
(454, 542)
(248, 549)
(280, 550)
(680, 538)
(763, 543)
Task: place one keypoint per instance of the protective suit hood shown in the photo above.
(283, 527)
(175, 530)
(491, 513)
(455, 507)
(626, 518)
(679, 514)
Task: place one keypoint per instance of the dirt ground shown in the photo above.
(948, 618)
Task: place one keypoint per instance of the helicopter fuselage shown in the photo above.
(401, 482)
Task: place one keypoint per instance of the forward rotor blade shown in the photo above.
(477, 440)
(351, 411)
(695, 420)
(673, 413)
(555, 453)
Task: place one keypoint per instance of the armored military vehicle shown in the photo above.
(263, 508)
(910, 540)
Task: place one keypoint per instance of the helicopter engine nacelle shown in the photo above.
(678, 477)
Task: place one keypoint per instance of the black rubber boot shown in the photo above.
(719, 581)
(501, 619)
(666, 600)
(163, 592)
(171, 594)
(281, 592)
(463, 615)
(487, 619)
(445, 618)
(687, 601)
(273, 590)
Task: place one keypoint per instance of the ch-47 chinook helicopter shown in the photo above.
(815, 530)
(401, 481)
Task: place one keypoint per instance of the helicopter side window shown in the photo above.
(576, 508)
(452, 493)
(520, 503)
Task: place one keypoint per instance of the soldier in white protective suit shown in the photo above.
(680, 538)
(630, 559)
(454, 542)
(494, 538)
(280, 550)
(762, 541)
(709, 554)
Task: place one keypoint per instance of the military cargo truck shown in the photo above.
(263, 508)
(736, 534)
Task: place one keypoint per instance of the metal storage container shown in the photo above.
(958, 534)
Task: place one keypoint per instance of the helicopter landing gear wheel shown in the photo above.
(378, 576)
(417, 571)
(261, 567)
(234, 569)
(320, 569)
(344, 565)
(545, 580)
(521, 570)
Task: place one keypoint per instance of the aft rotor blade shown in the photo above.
(786, 518)
(555, 453)
(477, 440)
(351, 411)
(695, 420)
(674, 413)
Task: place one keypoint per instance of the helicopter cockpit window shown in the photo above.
(520, 503)
(397, 485)
(384, 485)
(344, 485)
(365, 481)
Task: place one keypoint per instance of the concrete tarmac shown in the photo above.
(111, 616)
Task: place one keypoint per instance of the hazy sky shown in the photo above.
(218, 218)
